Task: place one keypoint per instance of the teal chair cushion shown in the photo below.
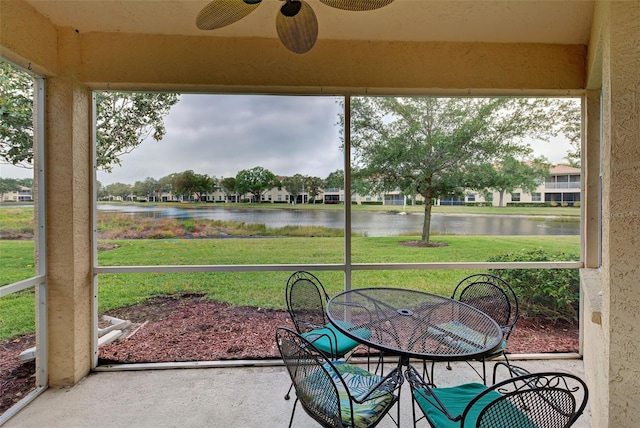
(498, 351)
(323, 338)
(462, 337)
(455, 400)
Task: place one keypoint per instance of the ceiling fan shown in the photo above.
(296, 22)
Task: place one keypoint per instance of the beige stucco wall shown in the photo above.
(619, 373)
(124, 60)
(27, 37)
(68, 226)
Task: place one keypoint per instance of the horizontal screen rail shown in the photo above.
(334, 267)
(21, 285)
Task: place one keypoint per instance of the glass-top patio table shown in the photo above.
(414, 324)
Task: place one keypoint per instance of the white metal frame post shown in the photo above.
(347, 192)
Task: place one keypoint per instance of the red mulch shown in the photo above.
(191, 328)
(17, 378)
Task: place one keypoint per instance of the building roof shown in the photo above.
(564, 169)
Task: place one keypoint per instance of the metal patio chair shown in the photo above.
(532, 400)
(306, 304)
(336, 394)
(493, 296)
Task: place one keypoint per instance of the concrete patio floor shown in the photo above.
(244, 397)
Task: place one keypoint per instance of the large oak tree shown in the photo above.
(435, 147)
(124, 120)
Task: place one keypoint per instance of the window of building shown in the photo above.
(536, 197)
(515, 197)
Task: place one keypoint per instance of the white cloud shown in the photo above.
(555, 150)
(10, 171)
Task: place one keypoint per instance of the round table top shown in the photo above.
(414, 324)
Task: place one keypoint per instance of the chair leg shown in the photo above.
(288, 395)
(432, 378)
(513, 370)
(380, 364)
(506, 359)
(425, 373)
(293, 412)
(484, 371)
(398, 406)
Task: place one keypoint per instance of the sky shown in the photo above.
(219, 135)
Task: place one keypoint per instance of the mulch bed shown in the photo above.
(192, 328)
(17, 378)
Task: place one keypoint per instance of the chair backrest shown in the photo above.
(306, 301)
(542, 400)
(310, 374)
(493, 296)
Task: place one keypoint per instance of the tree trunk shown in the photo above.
(426, 225)
(501, 200)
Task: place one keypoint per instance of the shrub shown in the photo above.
(531, 204)
(478, 204)
(189, 226)
(553, 204)
(552, 294)
(576, 204)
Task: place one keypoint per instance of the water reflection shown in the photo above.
(369, 223)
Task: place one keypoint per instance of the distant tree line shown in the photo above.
(503, 178)
(255, 182)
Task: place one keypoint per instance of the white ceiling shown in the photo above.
(505, 21)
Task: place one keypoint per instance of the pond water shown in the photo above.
(370, 223)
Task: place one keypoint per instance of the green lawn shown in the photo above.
(262, 289)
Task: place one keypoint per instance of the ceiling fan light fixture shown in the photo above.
(357, 5)
(297, 26)
(291, 8)
(220, 13)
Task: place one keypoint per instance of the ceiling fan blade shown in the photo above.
(358, 5)
(220, 13)
(297, 26)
